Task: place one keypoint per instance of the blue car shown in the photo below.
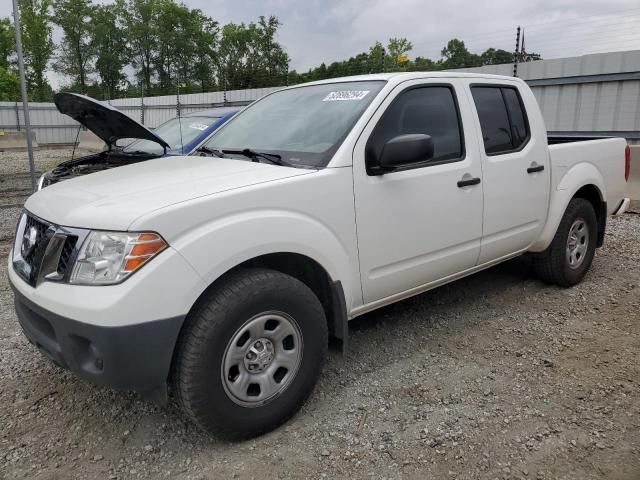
(178, 136)
(184, 134)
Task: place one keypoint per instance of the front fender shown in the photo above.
(574, 179)
(218, 246)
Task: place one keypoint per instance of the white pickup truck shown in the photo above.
(221, 276)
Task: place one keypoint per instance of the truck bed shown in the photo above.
(556, 139)
(600, 159)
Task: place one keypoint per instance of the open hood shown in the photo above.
(107, 122)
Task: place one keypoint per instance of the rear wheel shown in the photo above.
(568, 258)
(250, 354)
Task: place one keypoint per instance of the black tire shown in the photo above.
(553, 265)
(197, 376)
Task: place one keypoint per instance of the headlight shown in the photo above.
(41, 182)
(110, 257)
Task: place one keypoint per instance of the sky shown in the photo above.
(315, 31)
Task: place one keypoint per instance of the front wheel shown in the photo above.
(250, 353)
(568, 258)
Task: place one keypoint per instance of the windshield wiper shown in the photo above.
(254, 156)
(136, 152)
(210, 151)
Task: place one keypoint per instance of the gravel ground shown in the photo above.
(494, 376)
(15, 179)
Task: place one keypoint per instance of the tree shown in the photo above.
(398, 48)
(110, 48)
(206, 50)
(74, 17)
(377, 55)
(456, 55)
(173, 43)
(7, 42)
(37, 46)
(274, 60)
(140, 24)
(491, 56)
(421, 64)
(9, 86)
(250, 57)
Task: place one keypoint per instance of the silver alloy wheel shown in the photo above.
(262, 358)
(577, 243)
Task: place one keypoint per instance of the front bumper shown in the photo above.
(123, 335)
(135, 357)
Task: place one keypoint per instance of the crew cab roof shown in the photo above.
(404, 76)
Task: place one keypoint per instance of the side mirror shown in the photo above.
(405, 150)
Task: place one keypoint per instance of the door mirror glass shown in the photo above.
(405, 150)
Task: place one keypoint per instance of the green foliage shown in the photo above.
(394, 58)
(37, 46)
(7, 42)
(110, 48)
(206, 39)
(172, 48)
(456, 55)
(491, 56)
(76, 52)
(9, 85)
(140, 23)
(398, 49)
(250, 57)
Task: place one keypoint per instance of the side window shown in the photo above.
(428, 110)
(502, 118)
(519, 126)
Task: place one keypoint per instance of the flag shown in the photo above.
(523, 52)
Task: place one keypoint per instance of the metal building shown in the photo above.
(596, 94)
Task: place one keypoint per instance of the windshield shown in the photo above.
(170, 133)
(304, 125)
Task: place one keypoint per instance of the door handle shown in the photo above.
(468, 182)
(536, 168)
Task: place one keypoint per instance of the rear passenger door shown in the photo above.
(515, 167)
(423, 223)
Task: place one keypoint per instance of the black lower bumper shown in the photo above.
(133, 357)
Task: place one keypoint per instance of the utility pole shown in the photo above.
(516, 54)
(141, 103)
(178, 95)
(23, 88)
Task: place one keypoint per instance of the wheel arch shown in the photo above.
(594, 196)
(330, 292)
(592, 190)
(313, 275)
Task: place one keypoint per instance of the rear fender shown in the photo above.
(574, 179)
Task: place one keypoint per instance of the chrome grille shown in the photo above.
(43, 250)
(67, 254)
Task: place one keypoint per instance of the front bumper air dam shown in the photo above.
(132, 357)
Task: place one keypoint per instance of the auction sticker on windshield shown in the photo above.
(343, 95)
(198, 126)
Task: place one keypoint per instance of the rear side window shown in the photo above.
(502, 119)
(429, 110)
